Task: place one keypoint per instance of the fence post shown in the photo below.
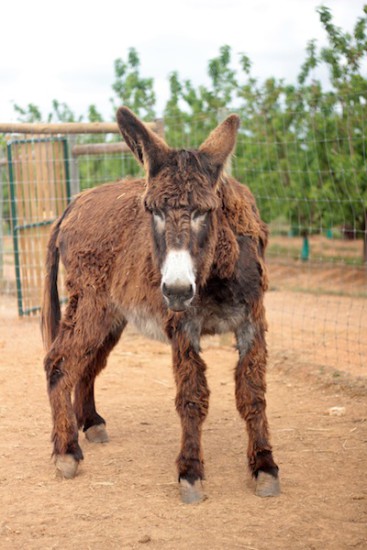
(74, 168)
(1, 223)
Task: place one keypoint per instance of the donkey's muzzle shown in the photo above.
(178, 298)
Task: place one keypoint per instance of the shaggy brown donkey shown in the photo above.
(180, 254)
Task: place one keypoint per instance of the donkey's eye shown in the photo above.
(198, 214)
(158, 214)
(159, 220)
(197, 219)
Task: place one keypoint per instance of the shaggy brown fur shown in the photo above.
(114, 241)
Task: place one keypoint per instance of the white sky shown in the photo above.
(65, 50)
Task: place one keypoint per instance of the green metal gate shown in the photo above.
(39, 180)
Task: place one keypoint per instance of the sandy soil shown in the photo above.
(126, 495)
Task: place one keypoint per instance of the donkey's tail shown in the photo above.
(51, 313)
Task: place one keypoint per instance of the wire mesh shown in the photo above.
(310, 186)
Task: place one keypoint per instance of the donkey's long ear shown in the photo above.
(148, 148)
(221, 141)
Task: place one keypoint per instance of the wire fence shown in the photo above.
(310, 187)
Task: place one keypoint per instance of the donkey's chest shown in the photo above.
(147, 323)
(217, 319)
(223, 307)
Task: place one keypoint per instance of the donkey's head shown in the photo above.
(182, 199)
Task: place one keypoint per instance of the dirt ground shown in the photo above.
(126, 495)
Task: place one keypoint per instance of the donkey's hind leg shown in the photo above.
(251, 404)
(87, 417)
(62, 371)
(84, 328)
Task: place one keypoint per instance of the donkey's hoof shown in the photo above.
(191, 493)
(267, 485)
(97, 434)
(66, 465)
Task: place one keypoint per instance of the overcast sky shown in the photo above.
(66, 50)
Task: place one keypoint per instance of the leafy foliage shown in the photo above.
(60, 112)
(301, 147)
(131, 89)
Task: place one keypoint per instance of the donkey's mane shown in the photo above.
(182, 181)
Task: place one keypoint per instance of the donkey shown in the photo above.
(179, 254)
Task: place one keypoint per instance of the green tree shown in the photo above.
(263, 154)
(60, 112)
(301, 148)
(191, 112)
(131, 89)
(30, 113)
(93, 114)
(334, 127)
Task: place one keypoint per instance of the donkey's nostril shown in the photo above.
(178, 291)
(169, 290)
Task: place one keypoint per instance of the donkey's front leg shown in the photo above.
(251, 404)
(192, 402)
